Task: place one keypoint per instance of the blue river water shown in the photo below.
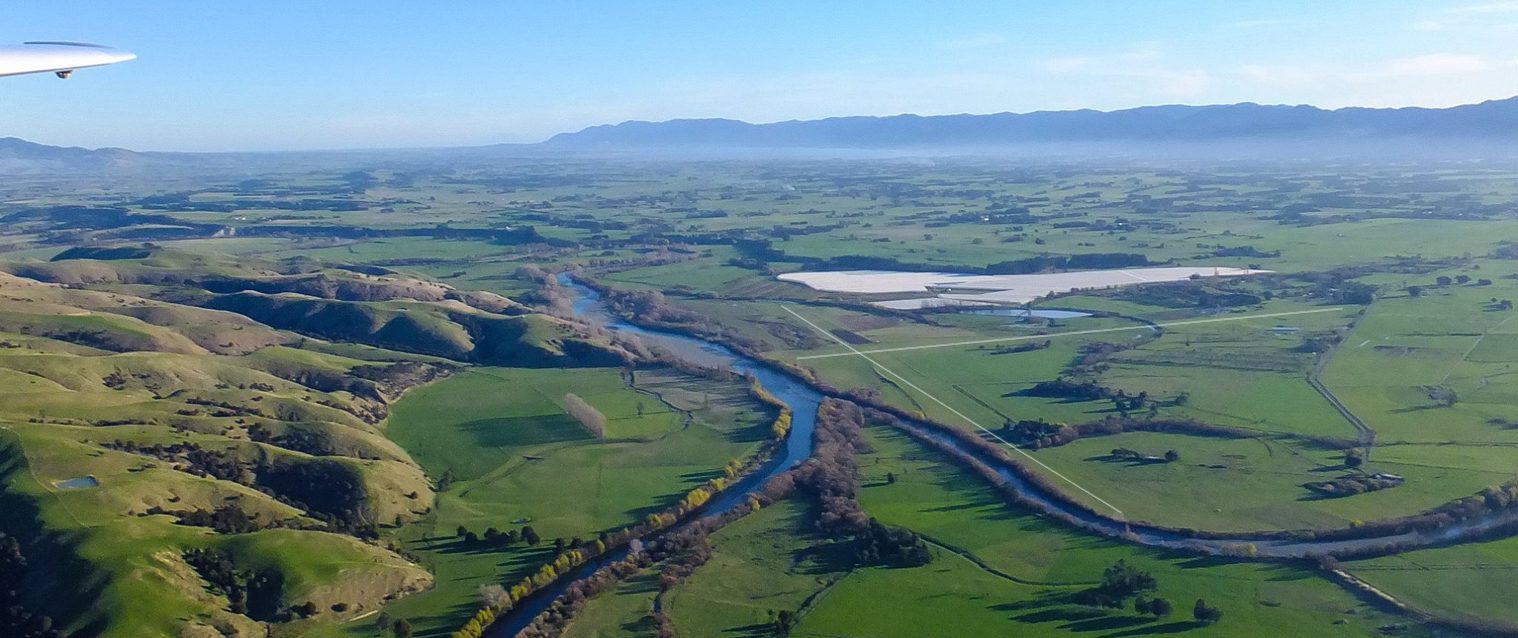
(804, 401)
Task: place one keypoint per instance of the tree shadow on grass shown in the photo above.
(1107, 623)
(1287, 573)
(663, 502)
(701, 476)
(1060, 614)
(1002, 514)
(444, 622)
(1053, 606)
(752, 434)
(517, 552)
(641, 584)
(1316, 496)
(1029, 393)
(756, 630)
(1206, 562)
(958, 507)
(1155, 630)
(643, 626)
(825, 557)
(460, 546)
(524, 430)
(1125, 461)
(656, 505)
(1045, 598)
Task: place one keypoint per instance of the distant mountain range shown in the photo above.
(1472, 131)
(18, 155)
(1491, 124)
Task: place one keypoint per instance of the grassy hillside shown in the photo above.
(229, 403)
(452, 330)
(203, 468)
(515, 458)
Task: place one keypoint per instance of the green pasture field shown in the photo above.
(761, 564)
(769, 562)
(1248, 484)
(1236, 373)
(1444, 338)
(1039, 564)
(470, 424)
(1229, 369)
(697, 274)
(765, 563)
(1474, 581)
(514, 455)
(518, 459)
(623, 612)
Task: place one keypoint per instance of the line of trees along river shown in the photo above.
(993, 465)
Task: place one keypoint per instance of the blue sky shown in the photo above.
(277, 74)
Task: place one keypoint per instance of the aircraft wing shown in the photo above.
(61, 58)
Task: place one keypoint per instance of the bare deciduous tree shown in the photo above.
(493, 596)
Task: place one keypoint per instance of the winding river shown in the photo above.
(804, 401)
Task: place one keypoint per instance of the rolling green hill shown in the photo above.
(201, 441)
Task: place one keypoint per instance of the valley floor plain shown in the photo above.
(205, 345)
